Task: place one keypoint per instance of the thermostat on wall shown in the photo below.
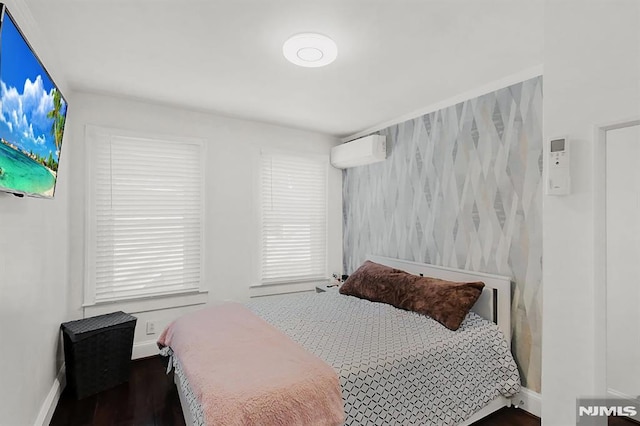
(558, 181)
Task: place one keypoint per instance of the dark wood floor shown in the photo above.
(150, 398)
(509, 417)
(621, 421)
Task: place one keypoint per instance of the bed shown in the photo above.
(396, 366)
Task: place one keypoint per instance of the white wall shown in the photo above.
(33, 275)
(231, 240)
(591, 76)
(623, 268)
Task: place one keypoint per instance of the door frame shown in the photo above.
(600, 249)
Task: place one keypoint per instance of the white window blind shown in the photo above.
(294, 218)
(146, 216)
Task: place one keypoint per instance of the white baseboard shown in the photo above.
(613, 393)
(51, 401)
(145, 349)
(529, 401)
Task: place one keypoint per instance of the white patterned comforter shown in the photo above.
(395, 367)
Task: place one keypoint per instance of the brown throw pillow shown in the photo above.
(445, 301)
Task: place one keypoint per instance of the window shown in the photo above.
(293, 193)
(144, 217)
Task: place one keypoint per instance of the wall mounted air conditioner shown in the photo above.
(367, 150)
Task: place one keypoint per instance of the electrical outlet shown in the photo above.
(151, 327)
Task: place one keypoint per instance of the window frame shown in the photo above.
(284, 284)
(175, 298)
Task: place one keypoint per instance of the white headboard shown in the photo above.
(494, 303)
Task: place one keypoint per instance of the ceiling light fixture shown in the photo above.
(310, 50)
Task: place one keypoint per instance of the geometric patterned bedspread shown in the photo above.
(395, 367)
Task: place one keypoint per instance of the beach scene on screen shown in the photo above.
(32, 118)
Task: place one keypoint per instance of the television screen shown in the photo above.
(32, 117)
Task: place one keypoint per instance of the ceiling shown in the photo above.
(225, 56)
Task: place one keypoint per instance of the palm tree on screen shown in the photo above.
(58, 118)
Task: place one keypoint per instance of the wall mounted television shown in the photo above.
(32, 116)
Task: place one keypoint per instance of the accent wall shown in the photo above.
(461, 187)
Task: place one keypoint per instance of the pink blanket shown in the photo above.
(246, 372)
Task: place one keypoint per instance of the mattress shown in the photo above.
(395, 367)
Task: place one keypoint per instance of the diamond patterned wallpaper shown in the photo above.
(461, 187)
